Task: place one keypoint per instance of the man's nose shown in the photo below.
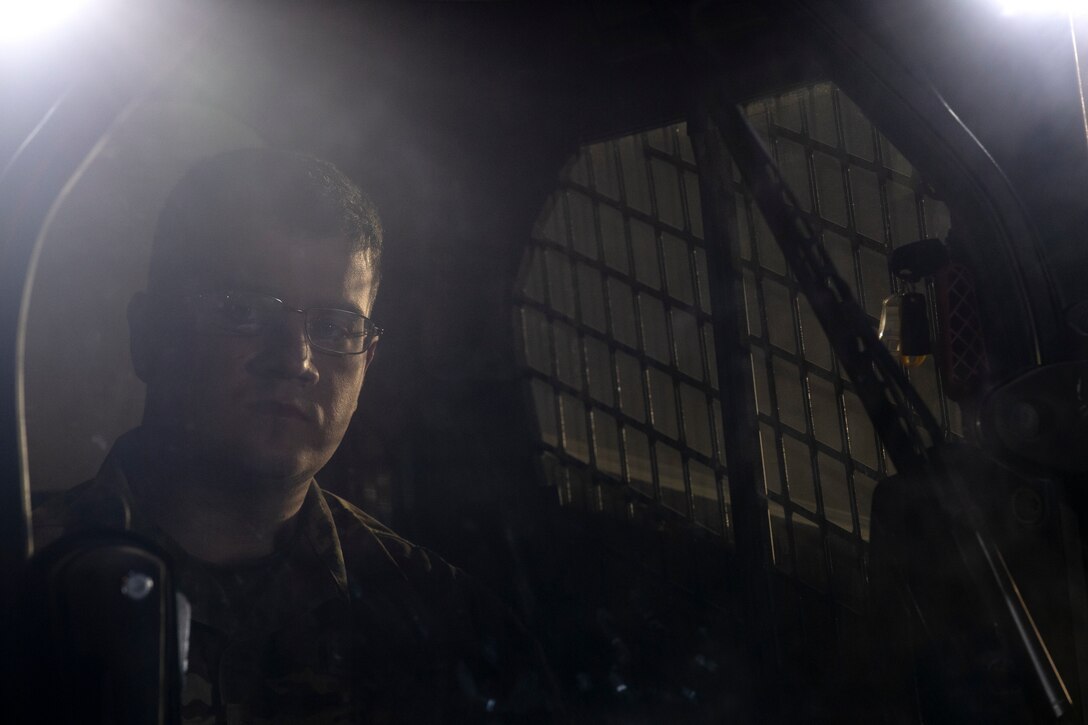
(286, 351)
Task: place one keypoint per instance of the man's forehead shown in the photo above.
(273, 250)
(271, 260)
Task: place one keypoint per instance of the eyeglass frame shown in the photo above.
(378, 331)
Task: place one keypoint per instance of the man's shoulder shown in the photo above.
(358, 530)
(93, 504)
(342, 509)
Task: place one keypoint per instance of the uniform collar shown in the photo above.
(309, 570)
(306, 572)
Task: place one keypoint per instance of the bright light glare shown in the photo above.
(22, 20)
(1044, 7)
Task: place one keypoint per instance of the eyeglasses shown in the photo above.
(248, 315)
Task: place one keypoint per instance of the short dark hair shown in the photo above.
(258, 189)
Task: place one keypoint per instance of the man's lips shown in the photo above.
(280, 409)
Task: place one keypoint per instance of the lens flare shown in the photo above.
(1044, 7)
(22, 20)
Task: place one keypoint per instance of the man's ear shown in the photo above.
(141, 336)
(368, 358)
(371, 353)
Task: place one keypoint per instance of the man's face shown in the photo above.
(269, 406)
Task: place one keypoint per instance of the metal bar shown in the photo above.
(708, 398)
(663, 273)
(613, 374)
(553, 374)
(751, 527)
(583, 367)
(806, 387)
(839, 152)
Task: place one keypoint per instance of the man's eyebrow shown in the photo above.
(340, 305)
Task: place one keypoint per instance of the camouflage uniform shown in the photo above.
(344, 623)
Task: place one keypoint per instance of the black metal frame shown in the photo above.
(547, 311)
(648, 426)
(806, 336)
(978, 218)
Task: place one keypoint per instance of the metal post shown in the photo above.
(741, 427)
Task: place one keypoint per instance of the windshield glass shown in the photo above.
(446, 357)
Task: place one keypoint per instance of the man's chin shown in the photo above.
(252, 458)
(264, 464)
(275, 468)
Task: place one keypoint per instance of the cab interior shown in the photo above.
(602, 389)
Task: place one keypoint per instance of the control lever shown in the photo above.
(103, 635)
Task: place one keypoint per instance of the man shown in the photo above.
(253, 339)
